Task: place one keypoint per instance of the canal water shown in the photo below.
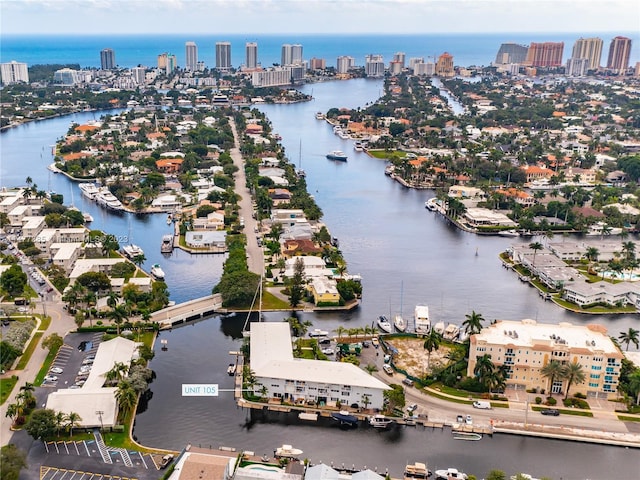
(406, 256)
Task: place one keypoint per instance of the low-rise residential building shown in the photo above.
(324, 291)
(65, 254)
(303, 381)
(313, 267)
(213, 221)
(215, 239)
(287, 217)
(525, 347)
(483, 217)
(462, 191)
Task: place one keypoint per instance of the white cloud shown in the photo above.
(317, 16)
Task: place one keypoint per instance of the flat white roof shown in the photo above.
(86, 265)
(528, 332)
(109, 353)
(86, 402)
(65, 251)
(272, 357)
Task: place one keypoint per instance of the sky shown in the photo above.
(316, 16)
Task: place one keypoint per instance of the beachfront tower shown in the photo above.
(619, 52)
(589, 48)
(511, 53)
(107, 59)
(14, 72)
(191, 56)
(223, 56)
(251, 49)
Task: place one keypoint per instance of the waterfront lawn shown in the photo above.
(271, 302)
(6, 387)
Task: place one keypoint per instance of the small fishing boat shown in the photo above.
(416, 470)
(450, 474)
(337, 155)
(287, 451)
(345, 418)
(380, 421)
(467, 436)
(157, 272)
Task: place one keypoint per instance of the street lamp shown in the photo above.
(99, 413)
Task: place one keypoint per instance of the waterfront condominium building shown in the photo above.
(191, 56)
(162, 61)
(345, 63)
(414, 60)
(251, 50)
(317, 63)
(139, 75)
(374, 66)
(577, 67)
(223, 55)
(172, 63)
(66, 76)
(444, 65)
(421, 68)
(291, 54)
(511, 53)
(14, 72)
(400, 58)
(589, 48)
(526, 347)
(281, 376)
(619, 52)
(107, 59)
(547, 54)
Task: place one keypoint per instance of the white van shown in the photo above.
(482, 405)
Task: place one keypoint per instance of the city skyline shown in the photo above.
(329, 16)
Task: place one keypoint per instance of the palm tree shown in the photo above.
(592, 254)
(629, 250)
(126, 396)
(484, 368)
(630, 336)
(59, 418)
(553, 370)
(371, 368)
(73, 420)
(112, 299)
(431, 343)
(341, 331)
(634, 385)
(574, 373)
(535, 246)
(473, 323)
(118, 315)
(138, 260)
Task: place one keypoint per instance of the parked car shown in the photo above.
(50, 378)
(375, 342)
(468, 420)
(166, 460)
(387, 369)
(328, 351)
(482, 405)
(366, 344)
(550, 411)
(56, 370)
(412, 408)
(408, 382)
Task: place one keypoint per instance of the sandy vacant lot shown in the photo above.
(412, 356)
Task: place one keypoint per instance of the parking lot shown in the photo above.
(72, 365)
(53, 473)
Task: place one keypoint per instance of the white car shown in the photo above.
(468, 420)
(412, 408)
(50, 378)
(328, 351)
(57, 370)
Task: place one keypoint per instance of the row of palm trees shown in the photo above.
(572, 372)
(25, 401)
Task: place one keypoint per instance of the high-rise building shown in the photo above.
(139, 74)
(66, 76)
(577, 67)
(172, 63)
(14, 72)
(547, 54)
(619, 52)
(291, 54)
(345, 63)
(589, 48)
(444, 65)
(511, 53)
(107, 59)
(400, 58)
(251, 49)
(223, 55)
(191, 56)
(414, 60)
(162, 61)
(395, 67)
(374, 66)
(317, 64)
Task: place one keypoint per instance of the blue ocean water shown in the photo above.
(133, 50)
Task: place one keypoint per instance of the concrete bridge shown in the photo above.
(189, 311)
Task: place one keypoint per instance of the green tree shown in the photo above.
(484, 369)
(553, 370)
(574, 373)
(12, 460)
(126, 396)
(630, 336)
(13, 280)
(634, 385)
(431, 343)
(52, 342)
(41, 424)
(473, 323)
(536, 247)
(94, 281)
(395, 397)
(73, 421)
(296, 286)
(496, 475)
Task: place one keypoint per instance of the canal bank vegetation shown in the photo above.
(238, 286)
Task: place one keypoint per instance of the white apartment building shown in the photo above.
(287, 217)
(272, 77)
(14, 72)
(525, 347)
(191, 56)
(314, 267)
(374, 66)
(251, 50)
(302, 381)
(345, 63)
(66, 76)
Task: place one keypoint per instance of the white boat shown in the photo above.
(169, 219)
(287, 451)
(421, 319)
(601, 228)
(344, 135)
(384, 325)
(450, 474)
(89, 190)
(167, 244)
(338, 155)
(132, 250)
(399, 323)
(316, 332)
(451, 332)
(157, 272)
(319, 116)
(87, 217)
(431, 204)
(467, 436)
(380, 421)
(509, 233)
(108, 200)
(416, 470)
(357, 146)
(439, 328)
